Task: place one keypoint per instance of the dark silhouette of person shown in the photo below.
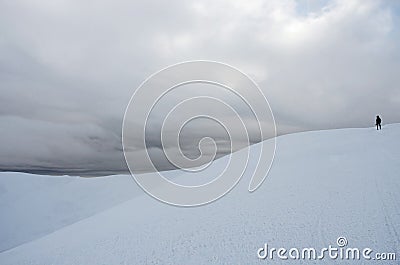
(378, 123)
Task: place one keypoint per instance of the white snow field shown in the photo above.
(322, 185)
(32, 205)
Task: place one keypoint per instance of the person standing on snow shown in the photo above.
(378, 123)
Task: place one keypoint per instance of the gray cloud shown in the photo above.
(68, 69)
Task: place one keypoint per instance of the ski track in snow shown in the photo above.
(323, 185)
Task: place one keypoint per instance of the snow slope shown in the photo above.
(323, 184)
(33, 205)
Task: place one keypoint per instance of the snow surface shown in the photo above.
(33, 206)
(322, 185)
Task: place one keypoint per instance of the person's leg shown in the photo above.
(380, 126)
(377, 127)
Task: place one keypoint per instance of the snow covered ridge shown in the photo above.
(34, 205)
(322, 185)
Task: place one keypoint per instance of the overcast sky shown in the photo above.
(69, 68)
